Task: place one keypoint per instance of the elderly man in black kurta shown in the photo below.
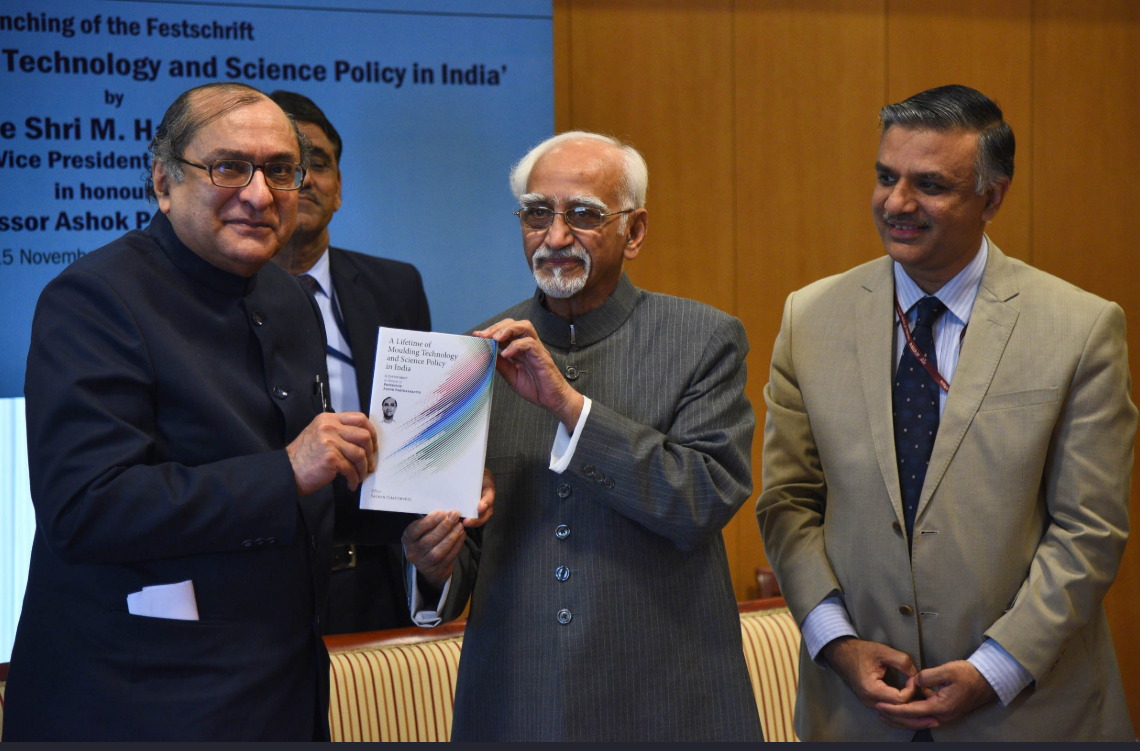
(175, 434)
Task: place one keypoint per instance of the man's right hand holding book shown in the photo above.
(432, 543)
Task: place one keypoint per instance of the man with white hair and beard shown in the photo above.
(620, 442)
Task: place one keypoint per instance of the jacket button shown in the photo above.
(313, 541)
(259, 541)
(247, 543)
(906, 610)
(561, 573)
(280, 392)
(588, 470)
(258, 318)
(897, 528)
(562, 532)
(564, 490)
(571, 373)
(608, 484)
(564, 616)
(270, 540)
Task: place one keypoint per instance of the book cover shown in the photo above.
(431, 405)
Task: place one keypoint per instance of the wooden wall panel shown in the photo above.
(562, 96)
(659, 74)
(1086, 99)
(810, 80)
(978, 43)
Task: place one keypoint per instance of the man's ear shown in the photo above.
(994, 198)
(162, 183)
(636, 228)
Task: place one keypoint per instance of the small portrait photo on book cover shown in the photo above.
(388, 408)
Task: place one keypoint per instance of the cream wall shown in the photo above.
(758, 120)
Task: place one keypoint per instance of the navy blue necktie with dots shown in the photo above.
(916, 410)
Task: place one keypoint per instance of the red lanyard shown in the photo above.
(918, 354)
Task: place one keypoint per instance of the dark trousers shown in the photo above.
(370, 596)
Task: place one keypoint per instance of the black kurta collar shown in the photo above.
(590, 328)
(193, 265)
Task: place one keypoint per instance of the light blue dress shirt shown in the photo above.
(829, 620)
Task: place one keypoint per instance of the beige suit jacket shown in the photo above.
(1023, 516)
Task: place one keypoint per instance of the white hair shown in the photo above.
(634, 182)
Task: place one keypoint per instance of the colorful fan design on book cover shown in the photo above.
(448, 419)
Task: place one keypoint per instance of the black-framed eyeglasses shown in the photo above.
(576, 217)
(237, 173)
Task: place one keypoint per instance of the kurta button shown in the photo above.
(564, 616)
(608, 484)
(561, 573)
(571, 373)
(564, 490)
(280, 392)
(258, 318)
(562, 532)
(906, 610)
(897, 528)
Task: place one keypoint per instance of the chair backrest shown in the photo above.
(396, 685)
(771, 649)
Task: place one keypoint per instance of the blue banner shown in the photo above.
(433, 100)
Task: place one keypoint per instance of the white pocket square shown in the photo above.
(175, 601)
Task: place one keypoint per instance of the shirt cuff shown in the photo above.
(420, 616)
(564, 443)
(826, 622)
(1001, 669)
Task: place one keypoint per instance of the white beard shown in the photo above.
(551, 281)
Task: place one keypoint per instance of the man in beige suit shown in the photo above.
(946, 488)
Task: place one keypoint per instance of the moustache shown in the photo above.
(902, 219)
(546, 253)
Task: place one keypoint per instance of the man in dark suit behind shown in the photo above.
(357, 294)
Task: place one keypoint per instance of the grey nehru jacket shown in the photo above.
(602, 607)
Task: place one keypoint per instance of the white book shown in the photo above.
(431, 405)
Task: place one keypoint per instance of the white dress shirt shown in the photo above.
(344, 395)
